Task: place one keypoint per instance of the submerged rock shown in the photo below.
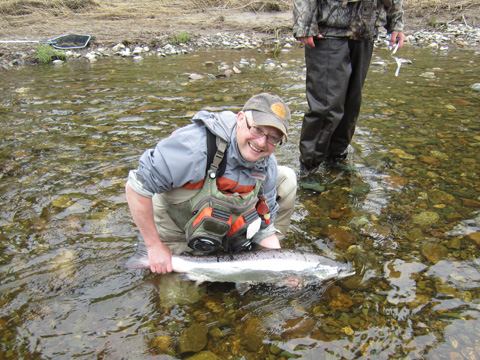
(434, 252)
(341, 238)
(204, 355)
(193, 339)
(475, 237)
(426, 218)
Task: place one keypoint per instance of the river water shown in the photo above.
(406, 211)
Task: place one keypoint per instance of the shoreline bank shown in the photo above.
(453, 37)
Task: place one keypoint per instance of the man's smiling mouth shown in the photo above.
(254, 148)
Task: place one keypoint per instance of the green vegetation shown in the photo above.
(46, 54)
(183, 37)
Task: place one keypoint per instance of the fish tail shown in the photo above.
(139, 260)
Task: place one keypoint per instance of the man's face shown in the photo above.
(251, 147)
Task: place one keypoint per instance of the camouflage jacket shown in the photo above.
(355, 19)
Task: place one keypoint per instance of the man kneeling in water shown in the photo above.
(192, 192)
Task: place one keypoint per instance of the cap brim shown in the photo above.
(264, 119)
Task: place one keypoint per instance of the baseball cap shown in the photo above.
(269, 110)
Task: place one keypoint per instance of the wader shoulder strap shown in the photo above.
(216, 150)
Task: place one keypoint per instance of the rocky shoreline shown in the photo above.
(452, 37)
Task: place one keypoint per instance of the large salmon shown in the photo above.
(278, 267)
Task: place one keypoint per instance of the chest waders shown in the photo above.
(211, 218)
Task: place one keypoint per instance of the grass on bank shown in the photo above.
(249, 5)
(25, 7)
(57, 7)
(45, 54)
(180, 38)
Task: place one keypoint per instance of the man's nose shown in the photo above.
(262, 141)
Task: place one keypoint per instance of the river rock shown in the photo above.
(298, 328)
(428, 75)
(455, 243)
(91, 56)
(137, 50)
(204, 355)
(253, 334)
(471, 203)
(341, 238)
(195, 76)
(426, 218)
(475, 237)
(162, 343)
(434, 252)
(193, 339)
(429, 160)
(118, 47)
(440, 197)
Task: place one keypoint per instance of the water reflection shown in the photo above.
(405, 211)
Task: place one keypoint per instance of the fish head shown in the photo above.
(346, 271)
(333, 271)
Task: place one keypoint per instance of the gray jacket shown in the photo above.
(181, 159)
(353, 19)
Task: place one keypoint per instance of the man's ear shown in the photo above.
(240, 118)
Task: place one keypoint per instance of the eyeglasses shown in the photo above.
(258, 133)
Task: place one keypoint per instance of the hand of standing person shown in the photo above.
(397, 38)
(308, 40)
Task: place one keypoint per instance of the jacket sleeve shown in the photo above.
(395, 16)
(305, 18)
(175, 161)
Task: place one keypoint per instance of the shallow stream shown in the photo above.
(407, 214)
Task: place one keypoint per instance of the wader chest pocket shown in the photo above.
(205, 233)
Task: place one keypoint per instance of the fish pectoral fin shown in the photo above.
(199, 279)
(242, 288)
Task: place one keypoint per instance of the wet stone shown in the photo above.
(453, 217)
(475, 237)
(429, 160)
(471, 203)
(341, 238)
(434, 252)
(193, 339)
(204, 355)
(415, 234)
(419, 300)
(445, 289)
(275, 350)
(426, 218)
(253, 334)
(162, 343)
(455, 244)
(299, 327)
(439, 197)
(476, 87)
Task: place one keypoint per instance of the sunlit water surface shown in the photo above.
(408, 216)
